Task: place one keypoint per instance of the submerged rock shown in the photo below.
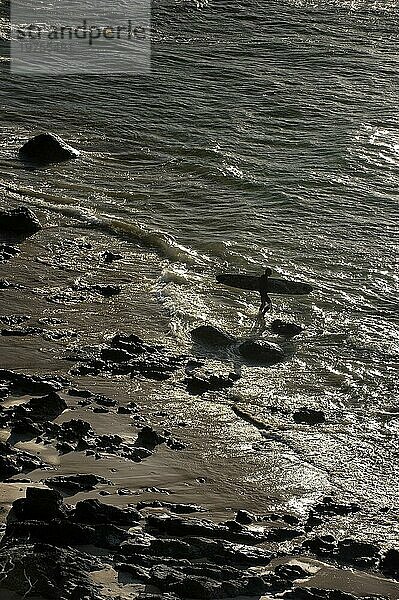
(201, 383)
(330, 507)
(211, 336)
(108, 256)
(285, 328)
(261, 352)
(309, 416)
(47, 148)
(19, 220)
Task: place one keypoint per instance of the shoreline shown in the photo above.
(199, 446)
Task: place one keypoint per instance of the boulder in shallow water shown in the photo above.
(211, 336)
(18, 221)
(284, 328)
(309, 416)
(262, 352)
(47, 148)
(390, 563)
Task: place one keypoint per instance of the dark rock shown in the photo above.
(329, 507)
(309, 416)
(324, 545)
(175, 508)
(115, 355)
(80, 393)
(24, 426)
(107, 290)
(149, 438)
(298, 593)
(291, 572)
(389, 564)
(211, 336)
(132, 343)
(200, 384)
(20, 332)
(261, 352)
(284, 328)
(19, 221)
(128, 409)
(58, 532)
(44, 571)
(14, 319)
(282, 534)
(13, 461)
(110, 536)
(40, 504)
(47, 148)
(32, 384)
(109, 256)
(360, 554)
(93, 511)
(42, 409)
(194, 527)
(244, 517)
(104, 401)
(72, 484)
(227, 553)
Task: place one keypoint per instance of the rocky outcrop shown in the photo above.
(32, 384)
(19, 221)
(48, 572)
(42, 409)
(47, 148)
(14, 462)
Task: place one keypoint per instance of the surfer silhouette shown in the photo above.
(265, 301)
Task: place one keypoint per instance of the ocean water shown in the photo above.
(267, 133)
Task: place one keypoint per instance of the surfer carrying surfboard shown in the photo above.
(265, 285)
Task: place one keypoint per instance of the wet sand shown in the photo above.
(217, 466)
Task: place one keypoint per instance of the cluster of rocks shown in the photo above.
(83, 292)
(34, 419)
(14, 462)
(253, 352)
(20, 383)
(179, 557)
(130, 355)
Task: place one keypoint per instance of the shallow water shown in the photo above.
(266, 134)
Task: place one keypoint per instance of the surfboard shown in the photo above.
(275, 286)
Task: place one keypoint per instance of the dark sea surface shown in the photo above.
(266, 134)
